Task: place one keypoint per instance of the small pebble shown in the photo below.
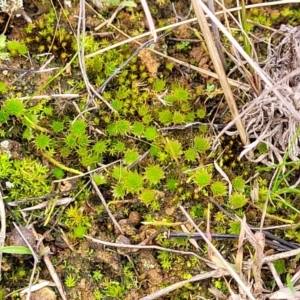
(135, 218)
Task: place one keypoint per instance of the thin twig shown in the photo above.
(49, 266)
(80, 40)
(283, 255)
(105, 204)
(141, 247)
(36, 260)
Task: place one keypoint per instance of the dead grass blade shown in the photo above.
(277, 256)
(49, 266)
(219, 68)
(105, 204)
(257, 240)
(220, 258)
(149, 19)
(285, 294)
(143, 247)
(275, 275)
(215, 31)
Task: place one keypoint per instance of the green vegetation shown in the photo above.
(149, 147)
(70, 281)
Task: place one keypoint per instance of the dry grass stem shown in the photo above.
(224, 176)
(192, 20)
(275, 275)
(220, 258)
(61, 96)
(241, 85)
(105, 204)
(257, 240)
(218, 67)
(36, 260)
(149, 19)
(54, 276)
(80, 41)
(142, 246)
(216, 35)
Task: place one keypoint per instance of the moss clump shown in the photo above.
(44, 36)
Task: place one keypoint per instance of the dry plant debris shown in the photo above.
(269, 121)
(137, 130)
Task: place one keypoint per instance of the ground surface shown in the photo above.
(149, 140)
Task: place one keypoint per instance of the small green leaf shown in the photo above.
(15, 250)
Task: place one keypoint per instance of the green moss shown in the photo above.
(147, 196)
(218, 189)
(159, 85)
(190, 155)
(70, 281)
(26, 177)
(133, 182)
(154, 174)
(202, 177)
(201, 144)
(237, 200)
(238, 184)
